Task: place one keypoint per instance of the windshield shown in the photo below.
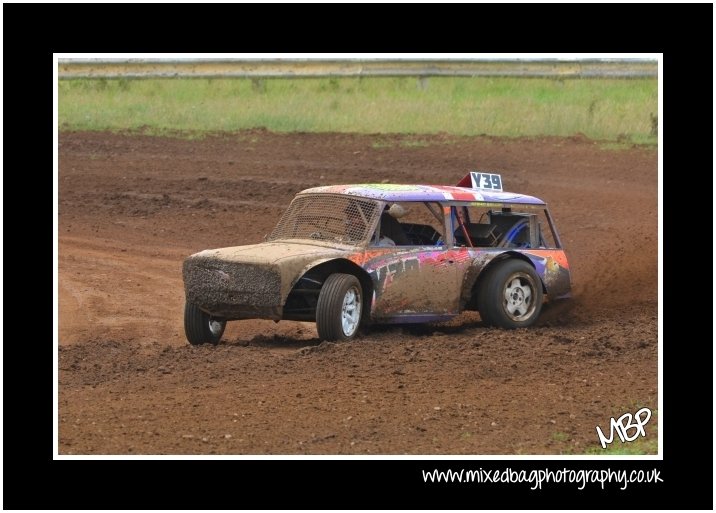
(339, 218)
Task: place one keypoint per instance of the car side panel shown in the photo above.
(551, 265)
(417, 284)
(471, 262)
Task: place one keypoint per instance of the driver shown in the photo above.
(390, 228)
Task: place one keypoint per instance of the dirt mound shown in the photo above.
(133, 207)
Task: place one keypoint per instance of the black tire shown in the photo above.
(200, 327)
(333, 321)
(510, 295)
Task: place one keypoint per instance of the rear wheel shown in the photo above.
(200, 327)
(510, 295)
(340, 307)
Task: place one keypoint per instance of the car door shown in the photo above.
(415, 282)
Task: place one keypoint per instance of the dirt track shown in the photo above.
(132, 207)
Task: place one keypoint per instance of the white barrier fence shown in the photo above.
(297, 68)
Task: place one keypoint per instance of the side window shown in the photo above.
(472, 227)
(514, 229)
(546, 235)
(410, 224)
(516, 232)
(499, 227)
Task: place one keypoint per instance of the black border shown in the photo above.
(32, 480)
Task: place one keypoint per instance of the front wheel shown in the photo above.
(340, 307)
(200, 327)
(511, 295)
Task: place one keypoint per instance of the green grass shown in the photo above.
(558, 436)
(602, 109)
(640, 446)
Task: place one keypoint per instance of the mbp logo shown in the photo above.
(622, 426)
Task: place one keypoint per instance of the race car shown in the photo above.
(344, 256)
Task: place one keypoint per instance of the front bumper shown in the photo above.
(233, 290)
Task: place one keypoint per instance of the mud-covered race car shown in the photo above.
(346, 255)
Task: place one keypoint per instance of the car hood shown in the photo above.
(273, 253)
(286, 261)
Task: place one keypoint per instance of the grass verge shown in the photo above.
(603, 109)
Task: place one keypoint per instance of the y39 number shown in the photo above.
(486, 181)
